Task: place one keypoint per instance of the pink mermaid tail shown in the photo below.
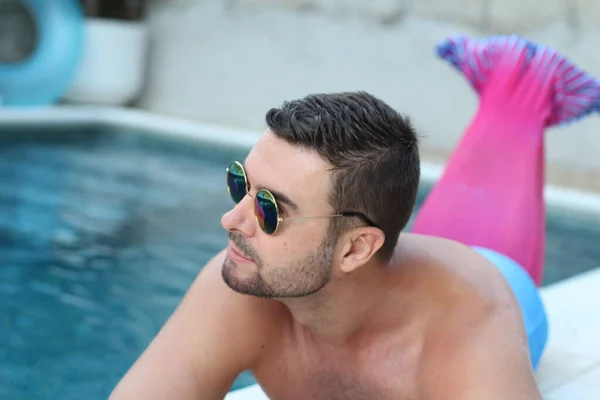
(491, 192)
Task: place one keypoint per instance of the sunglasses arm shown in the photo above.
(280, 219)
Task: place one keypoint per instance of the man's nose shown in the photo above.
(241, 218)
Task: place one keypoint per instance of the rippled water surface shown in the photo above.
(101, 233)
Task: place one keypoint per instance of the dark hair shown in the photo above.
(373, 150)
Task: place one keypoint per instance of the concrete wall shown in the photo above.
(229, 61)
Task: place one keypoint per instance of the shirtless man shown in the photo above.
(319, 295)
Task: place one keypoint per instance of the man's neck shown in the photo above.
(340, 312)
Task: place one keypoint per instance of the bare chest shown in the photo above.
(376, 374)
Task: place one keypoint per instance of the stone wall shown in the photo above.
(229, 61)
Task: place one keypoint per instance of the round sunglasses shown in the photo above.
(266, 209)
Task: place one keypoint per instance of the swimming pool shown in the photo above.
(102, 229)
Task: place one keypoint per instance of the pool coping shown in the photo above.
(555, 196)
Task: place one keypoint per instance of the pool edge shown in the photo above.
(556, 196)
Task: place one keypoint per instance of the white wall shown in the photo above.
(229, 61)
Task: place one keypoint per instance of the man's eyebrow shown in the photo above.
(280, 197)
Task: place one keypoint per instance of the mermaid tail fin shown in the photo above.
(491, 192)
(574, 93)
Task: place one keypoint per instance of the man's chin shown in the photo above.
(249, 285)
(239, 271)
(249, 282)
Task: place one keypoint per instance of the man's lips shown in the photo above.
(236, 256)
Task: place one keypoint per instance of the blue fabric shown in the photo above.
(528, 296)
(44, 77)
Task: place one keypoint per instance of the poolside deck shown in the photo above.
(570, 367)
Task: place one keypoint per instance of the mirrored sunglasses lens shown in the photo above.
(236, 182)
(265, 209)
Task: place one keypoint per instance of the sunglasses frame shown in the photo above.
(362, 216)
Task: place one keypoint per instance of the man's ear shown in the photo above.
(360, 247)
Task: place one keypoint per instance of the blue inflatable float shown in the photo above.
(535, 318)
(44, 75)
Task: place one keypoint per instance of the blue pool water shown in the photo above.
(101, 233)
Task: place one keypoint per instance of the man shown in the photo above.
(336, 307)
(318, 293)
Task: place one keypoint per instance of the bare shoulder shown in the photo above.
(476, 347)
(483, 357)
(459, 268)
(209, 294)
(211, 306)
(212, 336)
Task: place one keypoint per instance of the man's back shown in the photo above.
(445, 312)
(456, 320)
